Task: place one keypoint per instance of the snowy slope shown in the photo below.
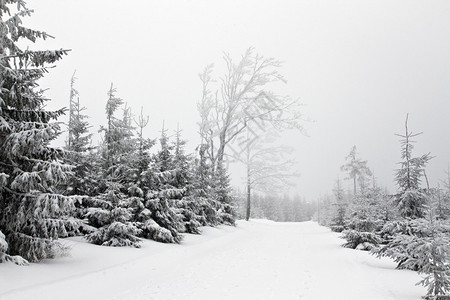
(255, 260)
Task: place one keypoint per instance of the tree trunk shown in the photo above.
(220, 151)
(247, 216)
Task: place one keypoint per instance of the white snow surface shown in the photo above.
(258, 259)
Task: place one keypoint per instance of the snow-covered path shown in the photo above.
(255, 260)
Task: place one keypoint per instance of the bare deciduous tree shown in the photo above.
(242, 95)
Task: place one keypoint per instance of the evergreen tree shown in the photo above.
(3, 243)
(164, 222)
(439, 201)
(338, 223)
(223, 198)
(119, 142)
(203, 188)
(442, 199)
(112, 210)
(139, 170)
(191, 209)
(139, 174)
(31, 210)
(411, 198)
(362, 222)
(78, 145)
(357, 169)
(411, 201)
(112, 216)
(431, 252)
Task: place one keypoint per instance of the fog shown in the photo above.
(357, 66)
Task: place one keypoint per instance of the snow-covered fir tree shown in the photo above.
(165, 220)
(119, 140)
(223, 196)
(113, 218)
(362, 221)
(141, 157)
(411, 198)
(203, 187)
(411, 201)
(31, 210)
(190, 209)
(78, 146)
(441, 198)
(430, 253)
(112, 210)
(139, 175)
(338, 222)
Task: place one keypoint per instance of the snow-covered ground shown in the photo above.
(255, 260)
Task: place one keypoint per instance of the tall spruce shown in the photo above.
(411, 198)
(223, 197)
(203, 186)
(190, 209)
(165, 221)
(142, 157)
(31, 210)
(339, 221)
(112, 210)
(78, 145)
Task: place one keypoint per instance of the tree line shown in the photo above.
(278, 208)
(128, 188)
(411, 226)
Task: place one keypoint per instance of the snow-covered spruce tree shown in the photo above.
(203, 187)
(212, 191)
(423, 245)
(183, 179)
(439, 202)
(430, 255)
(165, 221)
(113, 219)
(3, 243)
(338, 223)
(442, 199)
(386, 209)
(141, 158)
(111, 211)
(138, 175)
(31, 211)
(78, 150)
(411, 198)
(411, 201)
(223, 197)
(78, 145)
(362, 222)
(119, 138)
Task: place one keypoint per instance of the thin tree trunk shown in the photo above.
(220, 152)
(247, 217)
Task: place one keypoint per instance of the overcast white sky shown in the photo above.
(358, 66)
